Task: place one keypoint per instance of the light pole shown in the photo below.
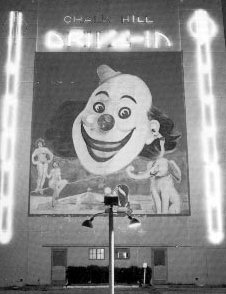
(111, 250)
(110, 201)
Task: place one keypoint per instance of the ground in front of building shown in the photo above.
(118, 290)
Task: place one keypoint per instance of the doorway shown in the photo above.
(159, 266)
(58, 266)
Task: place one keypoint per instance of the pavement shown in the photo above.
(118, 290)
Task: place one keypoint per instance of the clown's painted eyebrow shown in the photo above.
(130, 97)
(102, 92)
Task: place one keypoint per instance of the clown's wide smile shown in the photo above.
(100, 150)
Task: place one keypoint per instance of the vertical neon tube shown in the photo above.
(203, 29)
(8, 129)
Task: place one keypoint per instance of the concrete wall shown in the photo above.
(186, 264)
(190, 254)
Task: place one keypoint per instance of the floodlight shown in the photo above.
(134, 222)
(88, 223)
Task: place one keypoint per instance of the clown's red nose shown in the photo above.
(106, 122)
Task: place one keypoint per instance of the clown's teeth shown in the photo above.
(111, 145)
(103, 154)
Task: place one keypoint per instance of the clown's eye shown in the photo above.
(124, 112)
(98, 107)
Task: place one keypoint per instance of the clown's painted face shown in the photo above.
(113, 128)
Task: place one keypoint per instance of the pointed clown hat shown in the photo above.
(106, 73)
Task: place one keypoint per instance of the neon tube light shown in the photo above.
(53, 37)
(158, 37)
(203, 29)
(79, 38)
(9, 122)
(103, 39)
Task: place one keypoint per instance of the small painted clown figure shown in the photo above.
(114, 127)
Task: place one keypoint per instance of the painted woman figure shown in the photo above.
(41, 157)
(55, 181)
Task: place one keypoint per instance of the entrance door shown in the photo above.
(159, 265)
(59, 264)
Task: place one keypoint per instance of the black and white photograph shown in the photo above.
(112, 146)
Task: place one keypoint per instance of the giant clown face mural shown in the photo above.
(113, 128)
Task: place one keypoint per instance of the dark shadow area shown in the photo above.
(100, 275)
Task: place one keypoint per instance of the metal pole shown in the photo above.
(111, 250)
(144, 276)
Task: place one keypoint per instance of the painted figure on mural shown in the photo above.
(55, 181)
(41, 157)
(114, 127)
(161, 173)
(162, 176)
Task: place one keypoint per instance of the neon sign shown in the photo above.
(203, 29)
(111, 39)
(9, 120)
